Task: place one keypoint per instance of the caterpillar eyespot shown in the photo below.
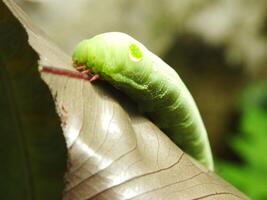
(152, 84)
(135, 53)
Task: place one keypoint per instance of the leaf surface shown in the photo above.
(114, 152)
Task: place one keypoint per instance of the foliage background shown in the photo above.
(219, 48)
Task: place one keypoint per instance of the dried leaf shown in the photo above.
(114, 153)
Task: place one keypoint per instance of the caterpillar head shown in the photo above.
(80, 53)
(108, 53)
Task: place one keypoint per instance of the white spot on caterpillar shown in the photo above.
(134, 59)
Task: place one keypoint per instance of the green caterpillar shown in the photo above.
(152, 84)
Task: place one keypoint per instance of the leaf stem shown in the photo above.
(65, 72)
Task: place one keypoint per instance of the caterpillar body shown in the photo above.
(152, 84)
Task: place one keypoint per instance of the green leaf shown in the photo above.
(247, 179)
(250, 144)
(32, 147)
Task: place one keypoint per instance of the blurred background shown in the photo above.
(219, 48)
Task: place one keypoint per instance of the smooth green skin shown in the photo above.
(152, 84)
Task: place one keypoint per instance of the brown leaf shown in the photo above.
(114, 152)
